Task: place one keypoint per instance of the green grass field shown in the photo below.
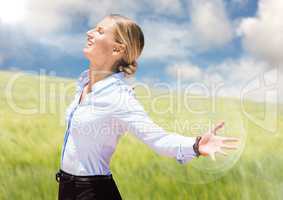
(31, 145)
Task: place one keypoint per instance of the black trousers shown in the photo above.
(100, 187)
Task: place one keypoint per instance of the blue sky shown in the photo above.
(227, 41)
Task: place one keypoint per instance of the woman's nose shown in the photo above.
(89, 33)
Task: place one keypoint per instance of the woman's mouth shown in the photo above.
(89, 42)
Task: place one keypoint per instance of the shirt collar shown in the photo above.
(84, 79)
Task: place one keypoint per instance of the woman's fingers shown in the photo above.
(231, 139)
(229, 146)
(217, 127)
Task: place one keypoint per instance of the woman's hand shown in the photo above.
(210, 143)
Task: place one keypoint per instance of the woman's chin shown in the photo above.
(86, 52)
(86, 49)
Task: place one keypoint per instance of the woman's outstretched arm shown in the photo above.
(131, 114)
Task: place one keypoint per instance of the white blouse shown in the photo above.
(95, 125)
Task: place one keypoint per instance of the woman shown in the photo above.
(105, 107)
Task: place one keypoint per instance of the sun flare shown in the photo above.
(12, 11)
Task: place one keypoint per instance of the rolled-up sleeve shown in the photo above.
(131, 114)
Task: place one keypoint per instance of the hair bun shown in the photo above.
(129, 70)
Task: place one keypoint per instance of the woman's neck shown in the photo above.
(96, 75)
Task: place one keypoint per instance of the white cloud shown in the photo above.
(185, 71)
(165, 39)
(236, 74)
(170, 7)
(44, 17)
(70, 44)
(209, 27)
(230, 76)
(210, 23)
(52, 22)
(262, 35)
(239, 70)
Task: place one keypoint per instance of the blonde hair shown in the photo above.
(127, 32)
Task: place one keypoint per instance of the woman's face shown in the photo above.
(99, 49)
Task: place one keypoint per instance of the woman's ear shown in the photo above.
(119, 49)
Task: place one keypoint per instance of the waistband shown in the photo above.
(69, 177)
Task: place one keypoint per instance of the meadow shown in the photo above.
(32, 130)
